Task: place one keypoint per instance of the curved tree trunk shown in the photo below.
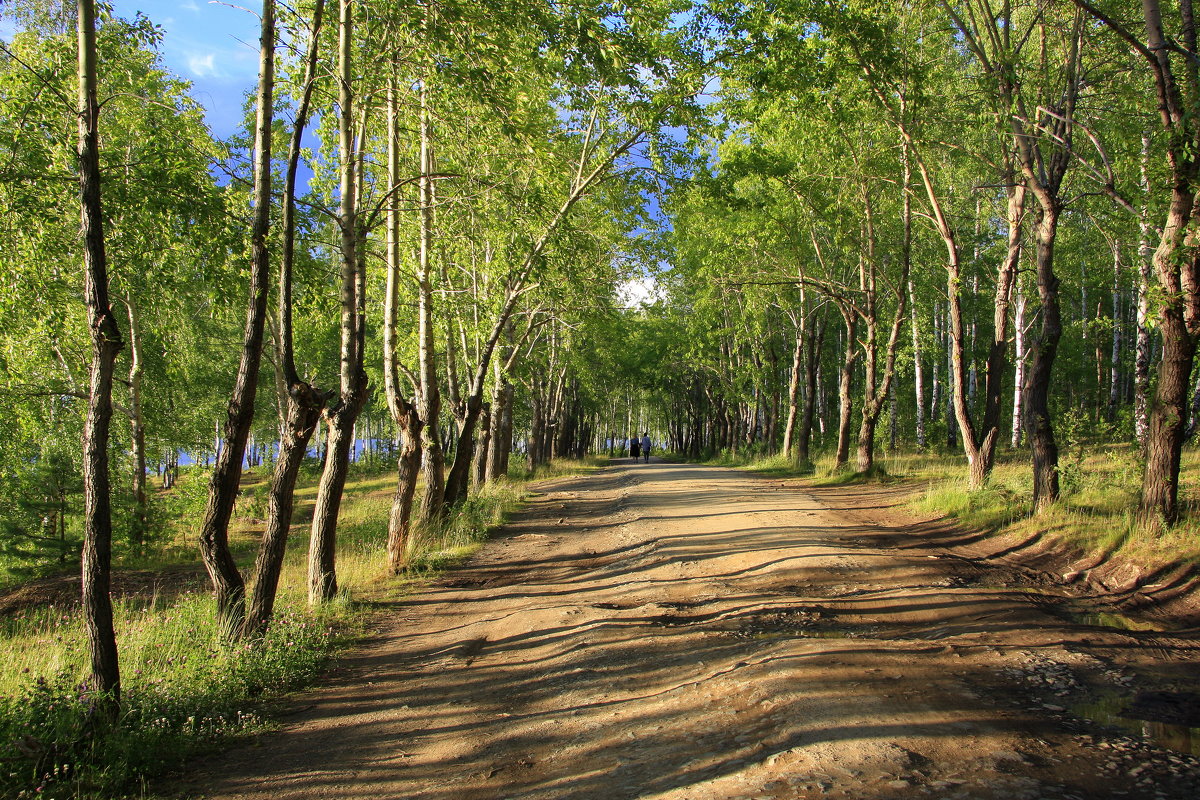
(299, 424)
(341, 419)
(997, 362)
(877, 389)
(226, 477)
(500, 439)
(458, 478)
(302, 402)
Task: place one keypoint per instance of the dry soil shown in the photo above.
(685, 632)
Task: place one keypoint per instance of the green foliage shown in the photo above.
(37, 516)
(184, 693)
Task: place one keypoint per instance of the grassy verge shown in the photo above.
(1100, 486)
(184, 690)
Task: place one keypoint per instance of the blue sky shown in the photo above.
(213, 45)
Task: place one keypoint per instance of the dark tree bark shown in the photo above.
(106, 343)
(479, 466)
(408, 467)
(537, 430)
(877, 388)
(812, 371)
(500, 439)
(223, 488)
(1038, 427)
(303, 402)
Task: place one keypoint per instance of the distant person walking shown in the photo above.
(646, 446)
(634, 447)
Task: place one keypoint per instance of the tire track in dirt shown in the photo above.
(692, 633)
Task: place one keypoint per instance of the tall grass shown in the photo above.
(184, 689)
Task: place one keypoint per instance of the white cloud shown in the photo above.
(203, 65)
(190, 5)
(638, 292)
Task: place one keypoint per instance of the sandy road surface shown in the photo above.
(677, 631)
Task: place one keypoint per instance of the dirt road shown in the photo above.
(682, 632)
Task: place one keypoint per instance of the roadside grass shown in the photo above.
(184, 690)
(1095, 515)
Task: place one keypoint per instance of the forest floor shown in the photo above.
(680, 631)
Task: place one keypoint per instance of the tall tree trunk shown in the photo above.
(918, 371)
(1142, 349)
(877, 389)
(794, 383)
(433, 505)
(137, 423)
(845, 390)
(1038, 426)
(226, 477)
(106, 343)
(302, 403)
(458, 478)
(341, 419)
(537, 429)
(1178, 319)
(935, 392)
(812, 373)
(997, 362)
(404, 411)
(1114, 354)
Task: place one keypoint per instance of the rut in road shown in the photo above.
(679, 631)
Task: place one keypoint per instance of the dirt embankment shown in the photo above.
(1163, 596)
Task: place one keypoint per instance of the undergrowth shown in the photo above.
(186, 691)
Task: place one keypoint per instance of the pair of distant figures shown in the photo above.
(640, 447)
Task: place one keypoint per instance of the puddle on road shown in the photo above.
(1110, 619)
(1107, 711)
(804, 633)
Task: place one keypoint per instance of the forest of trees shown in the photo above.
(932, 224)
